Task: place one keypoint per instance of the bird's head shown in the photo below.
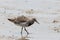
(35, 20)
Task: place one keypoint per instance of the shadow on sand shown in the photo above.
(24, 37)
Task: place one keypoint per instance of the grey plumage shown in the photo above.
(24, 22)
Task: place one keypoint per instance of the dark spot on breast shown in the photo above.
(29, 24)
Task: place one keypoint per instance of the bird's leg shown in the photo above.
(21, 30)
(26, 30)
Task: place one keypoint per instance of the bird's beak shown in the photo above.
(37, 21)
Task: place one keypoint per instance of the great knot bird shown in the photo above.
(23, 21)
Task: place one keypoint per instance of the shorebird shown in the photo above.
(24, 22)
(55, 21)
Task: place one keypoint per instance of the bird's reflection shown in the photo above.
(24, 37)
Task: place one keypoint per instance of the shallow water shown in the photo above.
(46, 12)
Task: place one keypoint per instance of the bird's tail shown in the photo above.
(12, 20)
